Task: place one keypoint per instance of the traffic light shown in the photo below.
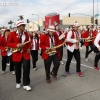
(96, 21)
(39, 28)
(68, 14)
(28, 21)
(92, 20)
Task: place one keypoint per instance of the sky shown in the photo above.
(11, 9)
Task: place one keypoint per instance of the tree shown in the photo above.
(21, 17)
(10, 23)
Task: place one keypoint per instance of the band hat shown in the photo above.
(35, 31)
(6, 30)
(90, 26)
(76, 24)
(2, 29)
(18, 23)
(98, 26)
(51, 28)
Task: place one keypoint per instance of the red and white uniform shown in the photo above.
(97, 41)
(13, 40)
(58, 33)
(86, 34)
(35, 44)
(3, 45)
(71, 40)
(45, 43)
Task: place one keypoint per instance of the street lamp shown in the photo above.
(38, 20)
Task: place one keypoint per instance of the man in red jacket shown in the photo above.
(22, 57)
(88, 34)
(48, 41)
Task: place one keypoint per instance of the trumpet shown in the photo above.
(53, 49)
(14, 50)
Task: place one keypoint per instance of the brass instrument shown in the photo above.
(53, 49)
(89, 39)
(14, 50)
(62, 36)
(86, 39)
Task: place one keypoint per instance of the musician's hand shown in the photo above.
(28, 51)
(47, 48)
(88, 37)
(65, 41)
(99, 48)
(77, 41)
(7, 49)
(20, 45)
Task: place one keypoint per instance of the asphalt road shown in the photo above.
(65, 87)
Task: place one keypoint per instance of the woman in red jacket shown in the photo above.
(5, 52)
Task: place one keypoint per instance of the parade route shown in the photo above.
(65, 87)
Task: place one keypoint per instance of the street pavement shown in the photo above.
(65, 87)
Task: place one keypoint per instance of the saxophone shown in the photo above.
(90, 39)
(14, 50)
(53, 49)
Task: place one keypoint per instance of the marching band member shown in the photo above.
(58, 32)
(88, 34)
(66, 33)
(35, 48)
(0, 40)
(82, 41)
(97, 44)
(22, 57)
(98, 30)
(5, 52)
(48, 41)
(73, 49)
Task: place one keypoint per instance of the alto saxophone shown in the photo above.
(14, 50)
(53, 49)
(90, 39)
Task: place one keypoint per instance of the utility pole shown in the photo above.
(93, 13)
(97, 12)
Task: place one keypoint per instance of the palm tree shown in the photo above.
(21, 17)
(10, 23)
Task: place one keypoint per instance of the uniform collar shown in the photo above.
(18, 32)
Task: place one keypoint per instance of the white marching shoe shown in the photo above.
(18, 86)
(86, 59)
(61, 62)
(34, 69)
(3, 72)
(28, 88)
(13, 72)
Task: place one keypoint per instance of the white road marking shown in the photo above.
(81, 64)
